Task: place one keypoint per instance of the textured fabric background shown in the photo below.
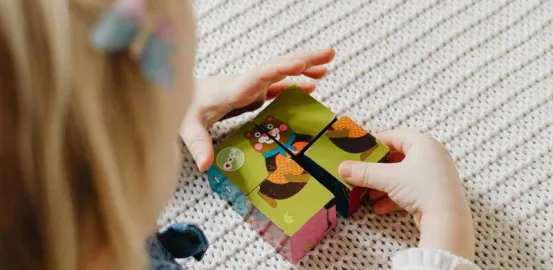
(475, 74)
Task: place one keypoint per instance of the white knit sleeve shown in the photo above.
(422, 259)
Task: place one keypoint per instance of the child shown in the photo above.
(91, 102)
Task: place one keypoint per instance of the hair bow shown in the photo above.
(120, 28)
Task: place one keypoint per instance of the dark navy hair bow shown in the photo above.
(119, 28)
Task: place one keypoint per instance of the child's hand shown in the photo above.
(225, 96)
(425, 182)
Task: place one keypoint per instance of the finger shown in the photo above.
(276, 88)
(256, 82)
(198, 142)
(417, 218)
(316, 72)
(239, 111)
(385, 206)
(312, 58)
(375, 195)
(289, 65)
(399, 140)
(395, 157)
(378, 176)
(275, 72)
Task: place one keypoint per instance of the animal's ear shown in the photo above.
(248, 134)
(269, 118)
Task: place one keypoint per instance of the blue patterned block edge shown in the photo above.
(228, 191)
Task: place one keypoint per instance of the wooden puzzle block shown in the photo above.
(288, 207)
(344, 140)
(294, 119)
(280, 171)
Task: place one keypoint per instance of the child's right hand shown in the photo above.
(423, 180)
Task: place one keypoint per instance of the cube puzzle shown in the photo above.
(280, 171)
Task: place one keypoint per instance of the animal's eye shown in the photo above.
(270, 126)
(257, 134)
(227, 166)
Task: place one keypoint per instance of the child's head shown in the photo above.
(88, 146)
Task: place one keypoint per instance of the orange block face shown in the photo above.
(285, 167)
(345, 123)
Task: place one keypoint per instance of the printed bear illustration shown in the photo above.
(281, 131)
(352, 138)
(286, 178)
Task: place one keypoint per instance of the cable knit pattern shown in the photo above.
(476, 74)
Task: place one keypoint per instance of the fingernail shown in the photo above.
(203, 158)
(345, 169)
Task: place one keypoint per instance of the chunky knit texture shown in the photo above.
(476, 74)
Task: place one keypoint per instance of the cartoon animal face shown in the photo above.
(230, 159)
(262, 142)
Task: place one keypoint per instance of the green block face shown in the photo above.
(344, 140)
(239, 161)
(294, 119)
(284, 182)
(289, 197)
(260, 168)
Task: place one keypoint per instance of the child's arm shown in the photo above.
(223, 96)
(422, 179)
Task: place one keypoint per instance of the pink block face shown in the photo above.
(295, 247)
(271, 233)
(279, 240)
(286, 250)
(356, 197)
(312, 232)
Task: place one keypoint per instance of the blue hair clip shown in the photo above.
(119, 28)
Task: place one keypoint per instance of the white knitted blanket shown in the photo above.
(475, 74)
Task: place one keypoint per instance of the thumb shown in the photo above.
(379, 176)
(198, 142)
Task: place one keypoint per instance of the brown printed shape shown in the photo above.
(289, 179)
(352, 138)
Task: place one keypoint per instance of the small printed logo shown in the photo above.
(289, 219)
(230, 159)
(308, 246)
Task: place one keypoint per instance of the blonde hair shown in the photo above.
(79, 130)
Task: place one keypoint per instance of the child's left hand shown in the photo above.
(225, 96)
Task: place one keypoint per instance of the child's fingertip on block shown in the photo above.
(346, 171)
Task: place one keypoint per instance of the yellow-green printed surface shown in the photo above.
(299, 111)
(238, 160)
(292, 213)
(330, 154)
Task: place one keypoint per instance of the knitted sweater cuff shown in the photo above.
(419, 259)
